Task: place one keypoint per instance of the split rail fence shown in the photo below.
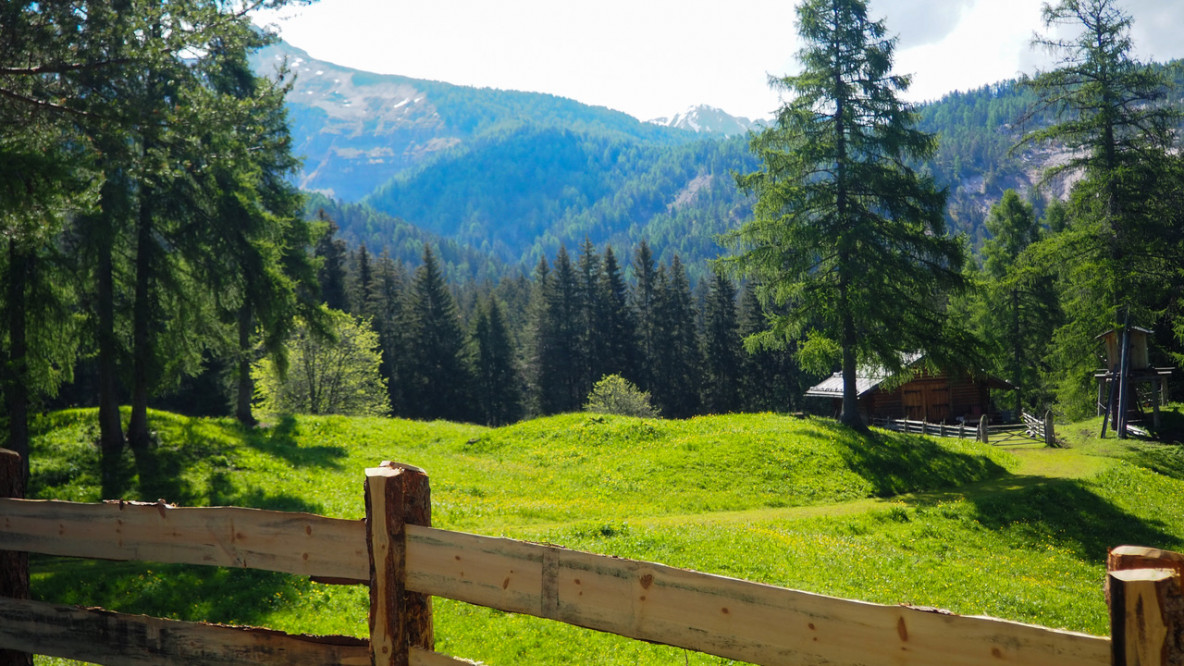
(404, 562)
(1030, 428)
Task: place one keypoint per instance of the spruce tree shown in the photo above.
(331, 275)
(1020, 305)
(592, 350)
(721, 348)
(644, 301)
(438, 378)
(497, 384)
(614, 323)
(845, 233)
(559, 339)
(677, 361)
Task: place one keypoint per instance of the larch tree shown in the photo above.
(1020, 308)
(845, 234)
(1120, 247)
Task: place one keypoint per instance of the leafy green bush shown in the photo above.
(614, 394)
(325, 376)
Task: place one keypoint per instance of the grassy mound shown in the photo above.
(550, 470)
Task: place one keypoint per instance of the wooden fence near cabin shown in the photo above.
(1030, 428)
(404, 562)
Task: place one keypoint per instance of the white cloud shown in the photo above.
(655, 57)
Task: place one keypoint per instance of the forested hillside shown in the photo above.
(356, 130)
(522, 193)
(515, 175)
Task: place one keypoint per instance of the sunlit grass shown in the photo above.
(1019, 534)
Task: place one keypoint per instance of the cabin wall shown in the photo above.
(933, 398)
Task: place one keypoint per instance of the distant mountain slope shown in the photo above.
(357, 129)
(359, 224)
(514, 175)
(524, 192)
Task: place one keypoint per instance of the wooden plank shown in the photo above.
(105, 637)
(396, 497)
(296, 543)
(722, 616)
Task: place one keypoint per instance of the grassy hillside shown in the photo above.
(1019, 534)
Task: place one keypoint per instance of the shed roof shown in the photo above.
(832, 387)
(867, 379)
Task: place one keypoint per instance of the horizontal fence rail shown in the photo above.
(405, 561)
(717, 615)
(296, 543)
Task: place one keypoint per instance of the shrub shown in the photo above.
(614, 394)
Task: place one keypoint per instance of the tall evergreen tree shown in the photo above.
(614, 323)
(497, 383)
(1020, 306)
(558, 340)
(331, 275)
(677, 362)
(721, 348)
(591, 352)
(1110, 114)
(385, 309)
(438, 378)
(644, 301)
(845, 234)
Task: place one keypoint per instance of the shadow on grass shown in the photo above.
(280, 441)
(1065, 512)
(181, 592)
(222, 491)
(1166, 459)
(896, 463)
(189, 468)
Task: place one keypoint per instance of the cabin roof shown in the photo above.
(868, 379)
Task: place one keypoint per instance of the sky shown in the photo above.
(653, 58)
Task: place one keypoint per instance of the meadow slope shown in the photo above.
(1020, 533)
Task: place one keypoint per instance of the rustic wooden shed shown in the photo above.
(935, 397)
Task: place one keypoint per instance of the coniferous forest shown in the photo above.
(158, 251)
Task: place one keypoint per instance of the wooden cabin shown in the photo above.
(939, 397)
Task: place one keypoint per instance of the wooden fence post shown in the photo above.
(14, 565)
(1050, 436)
(983, 434)
(1145, 589)
(396, 495)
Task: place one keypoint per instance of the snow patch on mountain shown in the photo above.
(705, 119)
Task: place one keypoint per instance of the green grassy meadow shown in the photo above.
(1018, 532)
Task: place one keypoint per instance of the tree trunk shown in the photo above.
(246, 388)
(110, 429)
(138, 436)
(16, 384)
(1017, 352)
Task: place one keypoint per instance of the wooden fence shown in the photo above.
(1030, 428)
(404, 562)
